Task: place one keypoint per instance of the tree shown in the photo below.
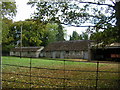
(70, 12)
(105, 37)
(8, 9)
(117, 15)
(75, 36)
(6, 38)
(84, 36)
(60, 33)
(32, 33)
(6, 23)
(52, 33)
(98, 13)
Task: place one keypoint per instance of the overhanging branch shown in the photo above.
(78, 25)
(85, 26)
(98, 4)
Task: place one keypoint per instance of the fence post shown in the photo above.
(118, 75)
(97, 74)
(30, 70)
(64, 75)
(0, 71)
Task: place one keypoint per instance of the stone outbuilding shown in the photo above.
(77, 49)
(26, 51)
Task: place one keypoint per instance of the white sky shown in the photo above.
(24, 11)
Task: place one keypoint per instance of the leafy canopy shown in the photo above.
(99, 16)
(8, 9)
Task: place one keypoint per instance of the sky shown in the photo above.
(23, 10)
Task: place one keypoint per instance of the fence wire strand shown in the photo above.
(56, 77)
(59, 69)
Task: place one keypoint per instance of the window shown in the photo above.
(67, 52)
(77, 52)
(28, 52)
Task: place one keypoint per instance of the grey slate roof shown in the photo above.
(68, 45)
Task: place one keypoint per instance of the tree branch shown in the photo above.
(112, 2)
(98, 4)
(77, 25)
(84, 26)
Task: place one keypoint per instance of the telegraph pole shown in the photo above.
(21, 43)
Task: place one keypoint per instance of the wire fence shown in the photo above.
(66, 80)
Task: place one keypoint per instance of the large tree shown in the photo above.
(6, 38)
(34, 33)
(31, 33)
(53, 32)
(117, 14)
(8, 11)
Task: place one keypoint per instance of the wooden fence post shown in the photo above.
(97, 74)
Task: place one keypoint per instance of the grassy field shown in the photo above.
(56, 73)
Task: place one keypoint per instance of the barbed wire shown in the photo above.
(60, 69)
(56, 77)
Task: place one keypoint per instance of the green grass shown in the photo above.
(74, 76)
(42, 62)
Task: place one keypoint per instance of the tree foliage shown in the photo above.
(99, 16)
(76, 36)
(33, 33)
(105, 37)
(72, 13)
(6, 24)
(6, 38)
(8, 9)
(60, 34)
(117, 15)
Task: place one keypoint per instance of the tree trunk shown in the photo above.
(117, 14)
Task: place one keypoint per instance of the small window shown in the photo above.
(67, 52)
(75, 52)
(13, 52)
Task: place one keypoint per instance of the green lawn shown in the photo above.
(48, 77)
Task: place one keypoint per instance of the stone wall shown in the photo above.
(66, 54)
(25, 54)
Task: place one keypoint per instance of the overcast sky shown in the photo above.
(23, 10)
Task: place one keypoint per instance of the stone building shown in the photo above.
(26, 51)
(77, 49)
